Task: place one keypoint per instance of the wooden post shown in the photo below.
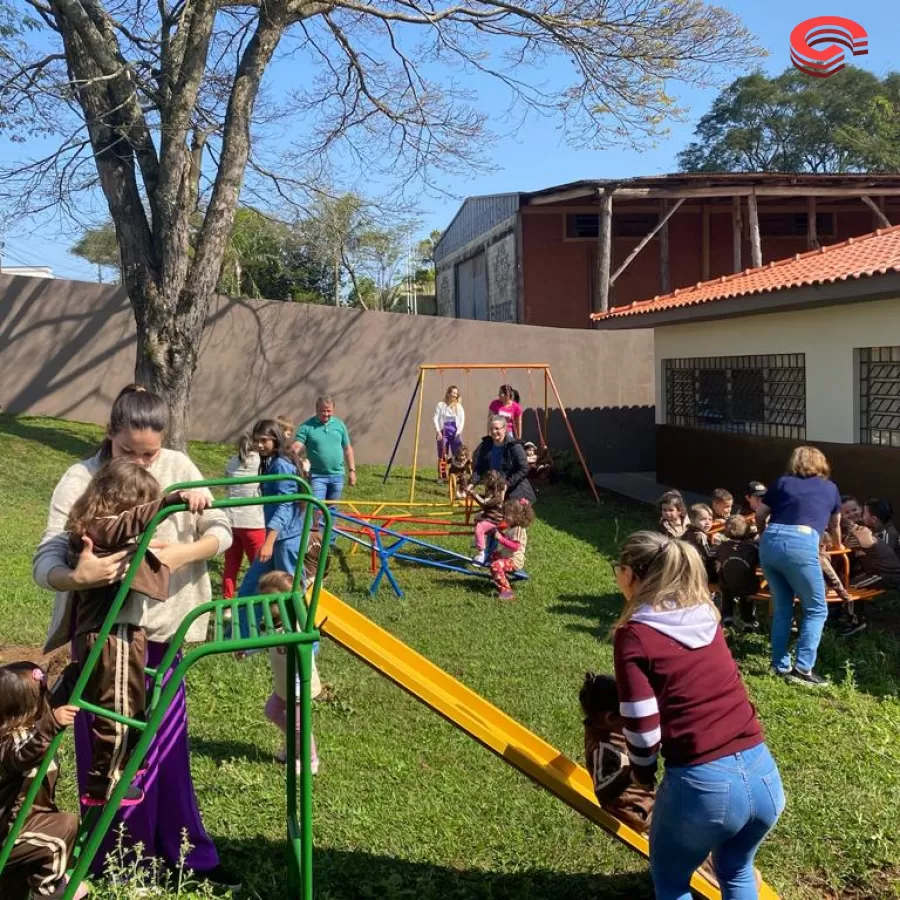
(880, 217)
(664, 280)
(704, 272)
(604, 253)
(812, 237)
(755, 244)
(645, 240)
(737, 237)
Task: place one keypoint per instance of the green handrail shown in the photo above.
(299, 612)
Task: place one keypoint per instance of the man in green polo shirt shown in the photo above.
(326, 441)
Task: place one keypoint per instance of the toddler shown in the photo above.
(700, 519)
(737, 559)
(722, 503)
(672, 514)
(115, 509)
(606, 756)
(41, 854)
(491, 516)
(461, 470)
(832, 579)
(248, 527)
(512, 536)
(303, 464)
(278, 582)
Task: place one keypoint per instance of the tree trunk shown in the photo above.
(167, 359)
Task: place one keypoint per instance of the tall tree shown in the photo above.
(794, 123)
(162, 100)
(99, 247)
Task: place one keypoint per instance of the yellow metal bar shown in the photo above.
(412, 486)
(463, 366)
(479, 719)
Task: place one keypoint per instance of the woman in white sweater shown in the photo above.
(449, 420)
(136, 430)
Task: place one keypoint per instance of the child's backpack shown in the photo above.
(737, 573)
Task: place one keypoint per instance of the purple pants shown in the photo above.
(449, 440)
(170, 805)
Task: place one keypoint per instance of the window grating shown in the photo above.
(879, 396)
(763, 395)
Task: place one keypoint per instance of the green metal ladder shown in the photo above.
(297, 612)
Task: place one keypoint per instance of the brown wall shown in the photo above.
(557, 273)
(701, 460)
(67, 347)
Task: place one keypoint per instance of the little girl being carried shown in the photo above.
(115, 509)
(40, 855)
(512, 536)
(248, 527)
(491, 516)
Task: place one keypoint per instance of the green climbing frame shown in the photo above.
(297, 611)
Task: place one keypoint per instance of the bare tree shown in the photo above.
(160, 106)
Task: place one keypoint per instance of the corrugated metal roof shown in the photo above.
(877, 253)
(475, 217)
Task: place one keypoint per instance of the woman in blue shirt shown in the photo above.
(796, 511)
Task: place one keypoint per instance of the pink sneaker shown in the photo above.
(133, 796)
(507, 595)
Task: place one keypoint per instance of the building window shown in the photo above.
(584, 226)
(763, 395)
(794, 224)
(879, 396)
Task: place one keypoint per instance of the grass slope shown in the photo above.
(408, 807)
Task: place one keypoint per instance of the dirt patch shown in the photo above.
(880, 884)
(51, 663)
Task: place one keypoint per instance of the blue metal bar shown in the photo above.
(403, 427)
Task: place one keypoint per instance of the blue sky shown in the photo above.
(536, 157)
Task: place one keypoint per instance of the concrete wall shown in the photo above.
(66, 348)
(829, 337)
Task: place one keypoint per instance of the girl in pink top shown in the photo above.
(507, 405)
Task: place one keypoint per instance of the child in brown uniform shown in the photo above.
(40, 855)
(606, 756)
(737, 559)
(672, 514)
(700, 519)
(118, 505)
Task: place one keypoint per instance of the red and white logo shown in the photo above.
(835, 33)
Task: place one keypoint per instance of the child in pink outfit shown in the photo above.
(275, 710)
(491, 516)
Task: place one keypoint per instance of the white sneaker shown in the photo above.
(480, 558)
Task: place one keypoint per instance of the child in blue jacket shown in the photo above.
(284, 521)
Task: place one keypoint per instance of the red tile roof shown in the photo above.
(877, 253)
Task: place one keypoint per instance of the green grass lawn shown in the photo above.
(408, 807)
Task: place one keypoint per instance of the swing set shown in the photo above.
(541, 413)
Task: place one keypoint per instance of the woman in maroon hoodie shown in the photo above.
(681, 695)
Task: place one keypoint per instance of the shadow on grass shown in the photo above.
(604, 526)
(224, 751)
(356, 874)
(56, 435)
(598, 611)
(871, 659)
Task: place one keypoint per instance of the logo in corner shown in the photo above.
(835, 33)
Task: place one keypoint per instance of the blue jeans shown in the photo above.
(790, 561)
(285, 556)
(327, 487)
(726, 806)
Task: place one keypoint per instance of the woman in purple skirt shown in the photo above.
(183, 542)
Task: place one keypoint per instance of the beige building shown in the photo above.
(806, 349)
